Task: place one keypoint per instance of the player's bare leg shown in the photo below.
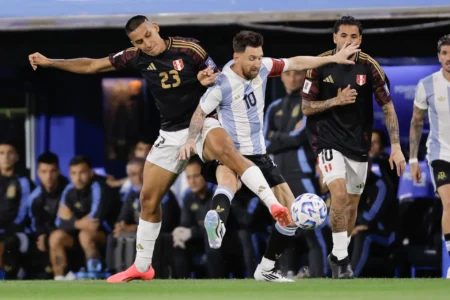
(157, 182)
(279, 240)
(59, 241)
(338, 259)
(444, 193)
(352, 212)
(220, 146)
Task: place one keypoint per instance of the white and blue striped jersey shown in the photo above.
(433, 93)
(240, 104)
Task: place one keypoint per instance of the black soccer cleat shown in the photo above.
(340, 269)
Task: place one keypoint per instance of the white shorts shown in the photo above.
(334, 165)
(166, 147)
(208, 125)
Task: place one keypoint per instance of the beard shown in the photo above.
(250, 74)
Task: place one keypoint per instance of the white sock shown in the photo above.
(254, 179)
(267, 264)
(349, 239)
(145, 243)
(340, 245)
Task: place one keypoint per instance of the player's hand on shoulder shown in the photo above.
(207, 76)
(398, 159)
(347, 96)
(416, 172)
(344, 55)
(187, 150)
(37, 59)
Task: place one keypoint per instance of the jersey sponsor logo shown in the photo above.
(386, 88)
(307, 86)
(441, 98)
(178, 64)
(360, 79)
(329, 79)
(210, 63)
(151, 67)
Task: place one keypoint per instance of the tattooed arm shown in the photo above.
(397, 158)
(196, 125)
(415, 131)
(208, 103)
(347, 96)
(390, 118)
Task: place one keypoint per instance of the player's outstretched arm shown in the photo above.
(76, 65)
(299, 63)
(347, 96)
(390, 118)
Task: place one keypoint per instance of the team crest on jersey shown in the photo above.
(178, 64)
(361, 79)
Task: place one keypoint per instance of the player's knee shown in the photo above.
(339, 198)
(56, 238)
(229, 180)
(149, 205)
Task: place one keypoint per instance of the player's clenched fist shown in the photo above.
(347, 96)
(37, 59)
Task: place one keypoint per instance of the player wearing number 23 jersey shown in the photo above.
(171, 78)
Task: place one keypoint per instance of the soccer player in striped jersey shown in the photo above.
(433, 94)
(338, 103)
(175, 70)
(239, 146)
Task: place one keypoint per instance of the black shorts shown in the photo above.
(263, 161)
(441, 172)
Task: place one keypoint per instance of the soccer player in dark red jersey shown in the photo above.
(176, 70)
(338, 102)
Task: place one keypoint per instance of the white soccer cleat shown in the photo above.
(215, 229)
(269, 275)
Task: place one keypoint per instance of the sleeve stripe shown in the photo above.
(374, 63)
(25, 192)
(96, 197)
(183, 44)
(309, 72)
(329, 52)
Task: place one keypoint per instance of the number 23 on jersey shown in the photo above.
(165, 77)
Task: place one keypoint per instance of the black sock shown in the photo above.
(221, 202)
(447, 242)
(279, 240)
(343, 262)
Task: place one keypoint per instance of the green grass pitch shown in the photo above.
(380, 289)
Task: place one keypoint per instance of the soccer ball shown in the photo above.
(308, 211)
